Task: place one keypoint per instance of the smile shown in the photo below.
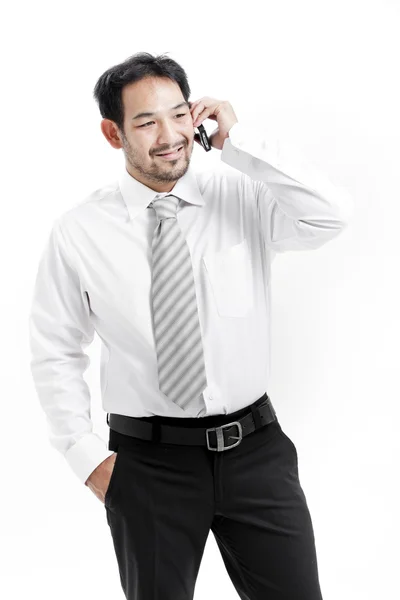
(171, 155)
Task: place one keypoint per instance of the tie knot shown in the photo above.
(165, 207)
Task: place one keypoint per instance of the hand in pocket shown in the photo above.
(99, 479)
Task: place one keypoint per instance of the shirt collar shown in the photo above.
(138, 196)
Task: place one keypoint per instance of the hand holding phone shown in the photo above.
(216, 110)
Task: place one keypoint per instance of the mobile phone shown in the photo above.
(203, 138)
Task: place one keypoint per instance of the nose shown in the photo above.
(167, 136)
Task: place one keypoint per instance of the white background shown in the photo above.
(325, 74)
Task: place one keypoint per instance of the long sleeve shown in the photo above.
(59, 330)
(297, 206)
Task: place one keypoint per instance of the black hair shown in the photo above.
(108, 89)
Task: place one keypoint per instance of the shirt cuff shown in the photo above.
(231, 150)
(88, 452)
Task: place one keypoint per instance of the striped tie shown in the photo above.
(181, 369)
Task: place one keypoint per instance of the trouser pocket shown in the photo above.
(113, 483)
(289, 444)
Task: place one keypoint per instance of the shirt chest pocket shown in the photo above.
(230, 275)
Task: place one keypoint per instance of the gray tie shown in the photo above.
(181, 369)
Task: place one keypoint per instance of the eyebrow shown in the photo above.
(151, 114)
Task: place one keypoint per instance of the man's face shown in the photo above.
(165, 131)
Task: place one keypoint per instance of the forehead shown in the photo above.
(155, 94)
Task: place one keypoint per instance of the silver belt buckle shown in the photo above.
(220, 436)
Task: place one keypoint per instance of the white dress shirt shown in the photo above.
(95, 275)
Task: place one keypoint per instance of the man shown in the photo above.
(172, 269)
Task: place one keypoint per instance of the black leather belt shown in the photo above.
(217, 438)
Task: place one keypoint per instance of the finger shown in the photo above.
(203, 115)
(197, 110)
(193, 105)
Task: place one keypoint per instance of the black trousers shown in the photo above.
(163, 499)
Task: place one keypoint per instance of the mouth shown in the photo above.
(171, 155)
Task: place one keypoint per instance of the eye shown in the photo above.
(149, 122)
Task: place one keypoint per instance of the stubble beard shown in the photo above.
(156, 173)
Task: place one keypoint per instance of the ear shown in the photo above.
(110, 132)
